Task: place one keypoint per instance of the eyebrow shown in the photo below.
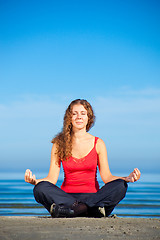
(84, 111)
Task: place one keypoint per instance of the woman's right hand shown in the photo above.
(29, 177)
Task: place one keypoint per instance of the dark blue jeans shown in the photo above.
(108, 196)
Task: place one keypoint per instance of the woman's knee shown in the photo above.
(40, 189)
(120, 189)
(118, 183)
(122, 186)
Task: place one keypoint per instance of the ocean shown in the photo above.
(142, 199)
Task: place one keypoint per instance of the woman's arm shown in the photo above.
(53, 171)
(104, 167)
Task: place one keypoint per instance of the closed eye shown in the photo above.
(82, 113)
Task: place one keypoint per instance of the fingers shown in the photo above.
(136, 174)
(130, 178)
(137, 171)
(26, 176)
(135, 177)
(29, 177)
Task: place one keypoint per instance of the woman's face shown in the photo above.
(79, 116)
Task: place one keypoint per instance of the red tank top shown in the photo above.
(80, 175)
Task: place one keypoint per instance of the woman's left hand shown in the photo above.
(133, 176)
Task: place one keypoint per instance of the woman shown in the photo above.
(80, 153)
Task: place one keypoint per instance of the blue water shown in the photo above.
(142, 198)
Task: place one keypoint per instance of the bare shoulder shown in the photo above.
(100, 146)
(100, 142)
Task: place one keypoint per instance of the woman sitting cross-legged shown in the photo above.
(80, 154)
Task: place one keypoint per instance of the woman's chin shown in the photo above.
(79, 127)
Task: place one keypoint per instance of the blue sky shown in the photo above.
(107, 52)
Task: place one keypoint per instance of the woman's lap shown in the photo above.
(108, 196)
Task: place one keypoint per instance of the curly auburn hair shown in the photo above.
(63, 139)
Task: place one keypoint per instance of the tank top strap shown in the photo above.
(96, 138)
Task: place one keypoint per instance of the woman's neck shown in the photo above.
(79, 134)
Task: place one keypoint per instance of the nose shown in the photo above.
(78, 115)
